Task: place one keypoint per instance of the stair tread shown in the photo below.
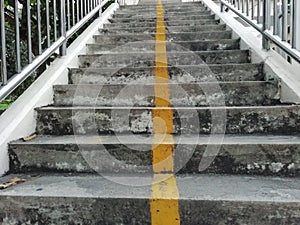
(170, 66)
(176, 42)
(191, 187)
(227, 139)
(172, 52)
(154, 33)
(283, 107)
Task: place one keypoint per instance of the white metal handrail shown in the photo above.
(277, 20)
(60, 26)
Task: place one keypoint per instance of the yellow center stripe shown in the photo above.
(164, 199)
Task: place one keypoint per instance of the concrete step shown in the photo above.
(234, 94)
(263, 155)
(169, 29)
(182, 36)
(146, 46)
(166, 18)
(170, 23)
(204, 199)
(120, 14)
(136, 59)
(136, 15)
(179, 74)
(173, 9)
(165, 3)
(281, 119)
(165, 7)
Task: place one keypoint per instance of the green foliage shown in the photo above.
(10, 38)
(5, 104)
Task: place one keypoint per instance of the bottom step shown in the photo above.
(204, 199)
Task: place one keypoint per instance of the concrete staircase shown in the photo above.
(101, 123)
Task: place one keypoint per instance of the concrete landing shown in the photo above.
(205, 199)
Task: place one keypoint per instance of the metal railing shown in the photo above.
(39, 29)
(277, 20)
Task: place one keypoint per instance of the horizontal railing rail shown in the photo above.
(277, 20)
(36, 30)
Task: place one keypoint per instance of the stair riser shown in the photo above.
(92, 210)
(135, 16)
(170, 4)
(167, 23)
(235, 94)
(167, 18)
(137, 59)
(258, 159)
(244, 120)
(169, 30)
(182, 74)
(123, 39)
(172, 10)
(166, 6)
(171, 46)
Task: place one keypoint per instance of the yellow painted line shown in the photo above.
(164, 198)
(97, 140)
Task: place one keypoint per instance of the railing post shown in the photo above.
(63, 27)
(3, 45)
(100, 11)
(222, 6)
(296, 25)
(266, 23)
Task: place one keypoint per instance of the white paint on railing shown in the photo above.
(275, 65)
(297, 6)
(20, 120)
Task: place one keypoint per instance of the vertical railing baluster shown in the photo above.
(39, 30)
(85, 7)
(54, 20)
(100, 11)
(296, 29)
(63, 28)
(258, 12)
(243, 6)
(294, 22)
(247, 7)
(68, 15)
(81, 8)
(275, 18)
(252, 9)
(48, 23)
(266, 23)
(73, 13)
(29, 43)
(77, 11)
(3, 45)
(284, 21)
(17, 37)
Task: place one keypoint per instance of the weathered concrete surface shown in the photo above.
(185, 36)
(264, 155)
(178, 22)
(207, 45)
(134, 15)
(169, 29)
(107, 120)
(206, 199)
(153, 18)
(261, 138)
(234, 94)
(137, 59)
(167, 11)
(180, 74)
